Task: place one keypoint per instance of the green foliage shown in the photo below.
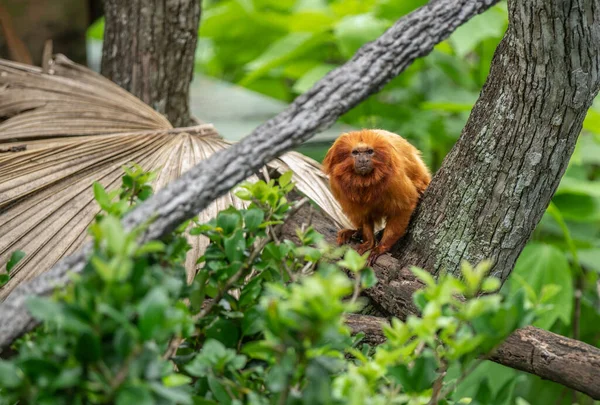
(281, 48)
(15, 258)
(261, 323)
(102, 336)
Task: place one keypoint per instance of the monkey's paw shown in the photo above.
(363, 247)
(374, 255)
(346, 235)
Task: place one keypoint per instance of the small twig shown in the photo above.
(308, 223)
(577, 306)
(438, 384)
(124, 370)
(283, 262)
(451, 387)
(356, 288)
(285, 393)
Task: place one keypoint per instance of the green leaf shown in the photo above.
(224, 331)
(590, 258)
(134, 395)
(308, 80)
(178, 395)
(368, 278)
(491, 24)
(291, 46)
(114, 234)
(218, 390)
(235, 246)
(152, 312)
(353, 261)
(490, 284)
(176, 380)
(243, 194)
(15, 258)
(252, 322)
(539, 265)
(253, 218)
(354, 31)
(101, 196)
(88, 348)
(9, 375)
(259, 349)
(394, 9)
(44, 309)
(104, 270)
(285, 178)
(229, 220)
(417, 378)
(484, 393)
(578, 207)
(154, 246)
(570, 185)
(68, 377)
(423, 275)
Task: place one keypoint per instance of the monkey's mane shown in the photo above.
(339, 163)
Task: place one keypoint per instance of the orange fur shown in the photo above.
(390, 192)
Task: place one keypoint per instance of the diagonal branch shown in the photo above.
(371, 68)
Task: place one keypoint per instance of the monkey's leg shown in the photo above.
(395, 228)
(368, 231)
(346, 235)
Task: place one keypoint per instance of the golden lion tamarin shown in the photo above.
(375, 175)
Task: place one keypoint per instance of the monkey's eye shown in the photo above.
(355, 152)
(370, 151)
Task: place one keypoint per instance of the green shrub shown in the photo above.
(262, 322)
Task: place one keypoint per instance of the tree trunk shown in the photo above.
(149, 48)
(497, 181)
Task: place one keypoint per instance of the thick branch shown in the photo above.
(372, 67)
(553, 357)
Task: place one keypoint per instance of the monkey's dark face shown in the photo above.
(363, 159)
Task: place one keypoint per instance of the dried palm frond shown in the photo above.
(70, 127)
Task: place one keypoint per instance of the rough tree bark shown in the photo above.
(373, 66)
(149, 48)
(497, 181)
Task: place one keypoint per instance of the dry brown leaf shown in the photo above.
(78, 127)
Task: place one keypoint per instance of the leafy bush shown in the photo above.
(261, 323)
(281, 47)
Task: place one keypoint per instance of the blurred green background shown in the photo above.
(280, 48)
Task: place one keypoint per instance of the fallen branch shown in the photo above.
(550, 356)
